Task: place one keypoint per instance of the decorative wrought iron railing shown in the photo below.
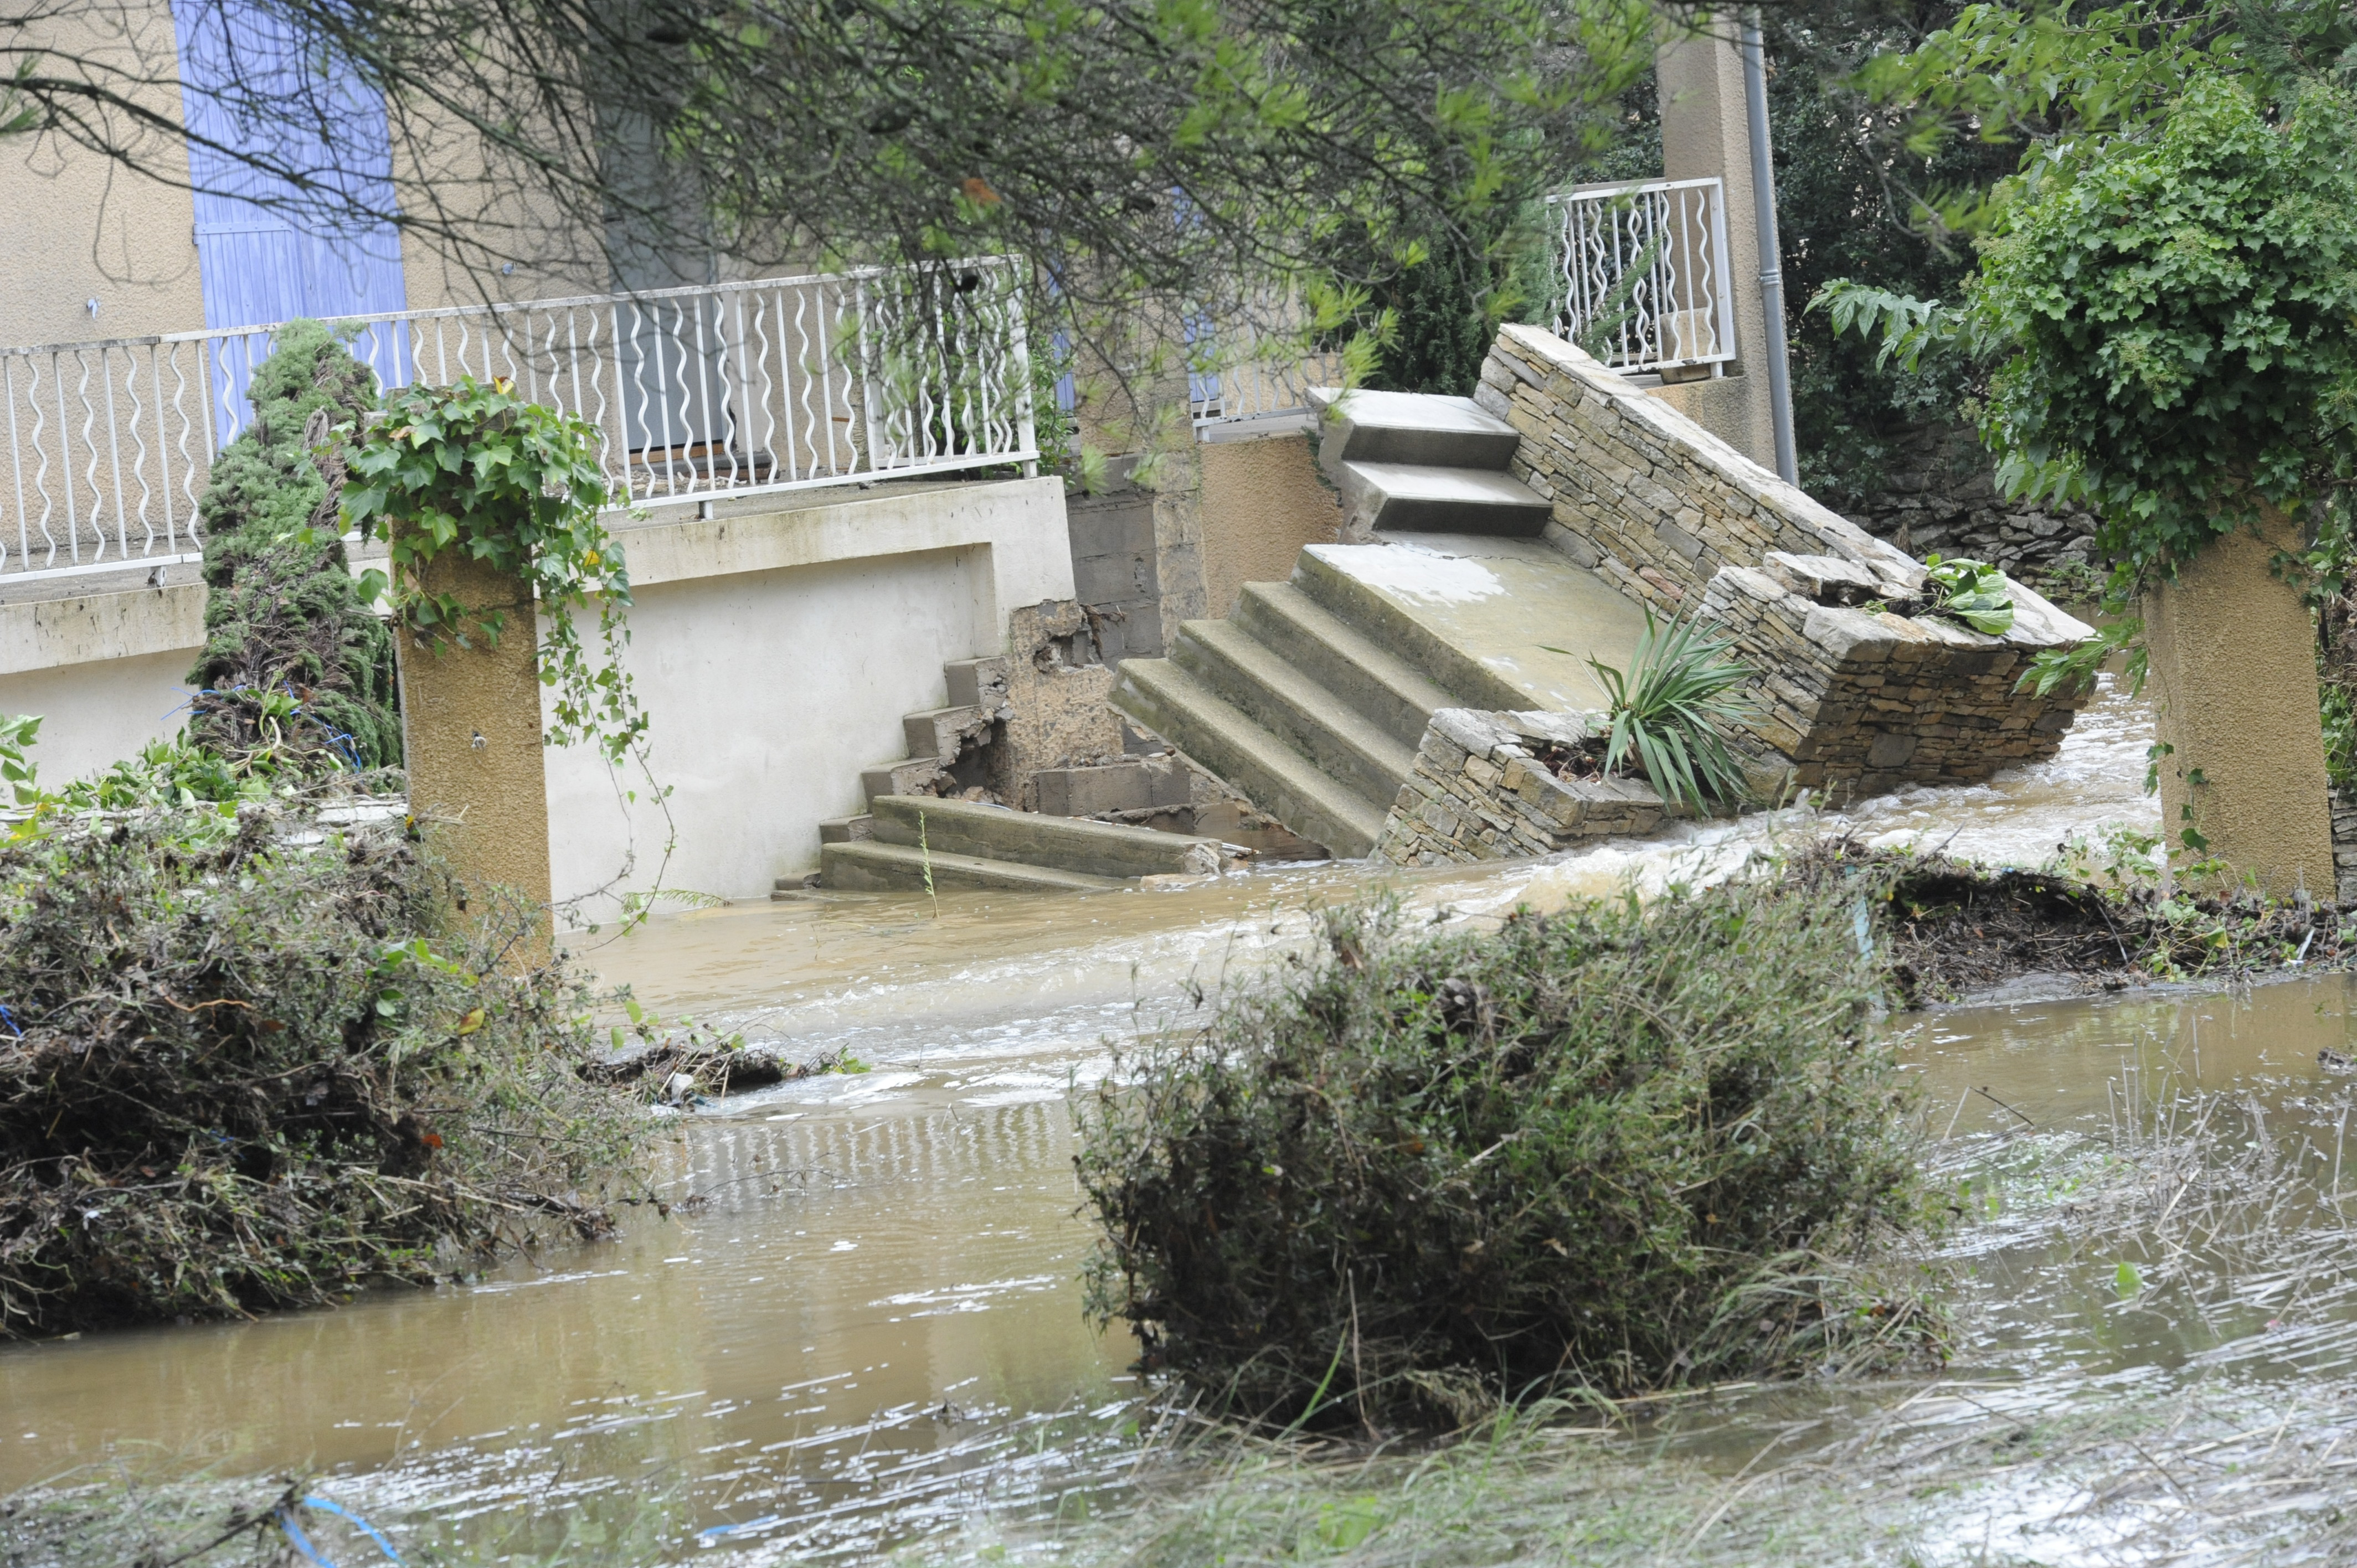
(1644, 277)
(726, 390)
(1255, 369)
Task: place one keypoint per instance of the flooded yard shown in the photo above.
(859, 1327)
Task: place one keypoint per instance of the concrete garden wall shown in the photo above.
(1851, 698)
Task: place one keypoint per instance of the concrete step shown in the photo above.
(1411, 427)
(910, 776)
(1139, 784)
(1343, 743)
(976, 682)
(1372, 679)
(1414, 499)
(846, 830)
(1104, 850)
(1322, 577)
(890, 867)
(1184, 710)
(941, 734)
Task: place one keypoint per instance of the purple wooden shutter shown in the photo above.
(307, 236)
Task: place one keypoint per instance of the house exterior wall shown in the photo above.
(76, 227)
(1264, 498)
(775, 649)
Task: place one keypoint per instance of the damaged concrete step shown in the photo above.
(1412, 427)
(1138, 784)
(910, 776)
(976, 682)
(1343, 743)
(941, 734)
(1404, 498)
(846, 830)
(1183, 710)
(1060, 844)
(1362, 673)
(872, 866)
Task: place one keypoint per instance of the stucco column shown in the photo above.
(471, 735)
(2233, 673)
(1704, 132)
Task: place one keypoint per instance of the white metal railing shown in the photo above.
(730, 388)
(1253, 369)
(1644, 274)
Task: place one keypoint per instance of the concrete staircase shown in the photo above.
(1313, 698)
(1408, 463)
(911, 831)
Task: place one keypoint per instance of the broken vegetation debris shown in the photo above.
(1422, 1172)
(250, 1061)
(2097, 917)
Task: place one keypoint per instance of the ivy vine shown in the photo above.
(476, 468)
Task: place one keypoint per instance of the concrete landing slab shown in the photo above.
(1482, 613)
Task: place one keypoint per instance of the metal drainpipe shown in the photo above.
(1771, 257)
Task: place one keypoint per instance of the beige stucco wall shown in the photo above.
(2233, 673)
(75, 226)
(1262, 501)
(1705, 131)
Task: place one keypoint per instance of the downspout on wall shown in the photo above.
(1772, 265)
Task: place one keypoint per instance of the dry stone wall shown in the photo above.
(1852, 697)
(1478, 791)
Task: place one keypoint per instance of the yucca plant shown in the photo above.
(1668, 712)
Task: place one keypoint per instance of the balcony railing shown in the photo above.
(1253, 369)
(1644, 275)
(728, 390)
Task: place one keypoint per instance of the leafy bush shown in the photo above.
(247, 1060)
(1972, 592)
(1612, 1149)
(292, 662)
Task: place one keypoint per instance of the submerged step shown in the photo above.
(1105, 850)
(1407, 498)
(873, 866)
(1411, 427)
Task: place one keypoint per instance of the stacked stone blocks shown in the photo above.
(1852, 697)
(1479, 791)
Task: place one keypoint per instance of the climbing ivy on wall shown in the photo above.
(477, 469)
(294, 667)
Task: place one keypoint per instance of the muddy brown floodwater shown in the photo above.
(872, 1330)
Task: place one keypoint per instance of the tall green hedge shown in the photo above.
(293, 661)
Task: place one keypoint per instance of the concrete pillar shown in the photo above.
(471, 736)
(1705, 132)
(2233, 673)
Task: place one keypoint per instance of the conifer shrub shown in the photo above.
(1425, 1170)
(249, 1058)
(293, 665)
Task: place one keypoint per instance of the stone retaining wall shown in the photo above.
(1850, 698)
(1478, 792)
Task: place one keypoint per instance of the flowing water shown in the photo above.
(867, 1329)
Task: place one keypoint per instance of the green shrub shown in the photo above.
(247, 1061)
(1612, 1149)
(293, 665)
